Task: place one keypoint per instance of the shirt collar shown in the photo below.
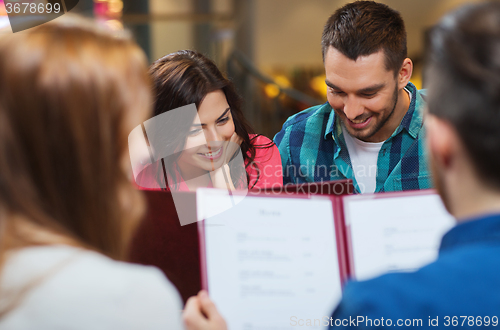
(412, 121)
(480, 229)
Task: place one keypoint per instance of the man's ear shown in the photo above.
(404, 74)
(441, 140)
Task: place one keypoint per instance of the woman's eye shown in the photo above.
(194, 131)
(223, 121)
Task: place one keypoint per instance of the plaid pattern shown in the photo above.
(313, 148)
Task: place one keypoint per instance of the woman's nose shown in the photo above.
(213, 137)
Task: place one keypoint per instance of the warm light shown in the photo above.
(274, 90)
(318, 85)
(416, 80)
(3, 11)
(116, 6)
(114, 24)
(109, 13)
(282, 81)
(4, 19)
(108, 9)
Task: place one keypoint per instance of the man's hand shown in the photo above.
(200, 313)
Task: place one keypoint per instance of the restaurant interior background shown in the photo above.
(271, 49)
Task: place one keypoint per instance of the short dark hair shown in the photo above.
(363, 28)
(462, 74)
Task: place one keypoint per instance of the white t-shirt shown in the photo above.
(364, 157)
(72, 288)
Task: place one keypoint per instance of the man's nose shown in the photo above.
(353, 108)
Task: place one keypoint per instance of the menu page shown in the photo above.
(394, 234)
(271, 262)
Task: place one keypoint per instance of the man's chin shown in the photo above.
(362, 135)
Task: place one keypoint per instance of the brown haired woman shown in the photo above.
(201, 141)
(69, 96)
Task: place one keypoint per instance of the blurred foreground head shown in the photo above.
(462, 76)
(70, 93)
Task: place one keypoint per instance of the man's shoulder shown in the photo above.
(315, 116)
(453, 284)
(422, 93)
(421, 99)
(389, 297)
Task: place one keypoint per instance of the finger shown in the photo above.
(207, 306)
(236, 138)
(192, 315)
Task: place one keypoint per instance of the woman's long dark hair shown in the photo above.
(186, 77)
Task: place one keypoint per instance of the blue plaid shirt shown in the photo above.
(312, 148)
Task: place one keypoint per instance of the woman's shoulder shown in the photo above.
(266, 171)
(265, 149)
(85, 289)
(260, 140)
(68, 259)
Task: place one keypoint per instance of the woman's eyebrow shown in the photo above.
(225, 113)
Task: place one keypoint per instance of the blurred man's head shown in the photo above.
(462, 75)
(366, 64)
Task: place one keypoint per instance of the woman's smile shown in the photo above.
(212, 155)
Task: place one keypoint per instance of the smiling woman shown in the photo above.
(208, 140)
(211, 145)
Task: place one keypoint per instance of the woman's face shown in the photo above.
(208, 137)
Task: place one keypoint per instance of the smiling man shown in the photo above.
(370, 130)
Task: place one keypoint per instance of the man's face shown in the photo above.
(363, 93)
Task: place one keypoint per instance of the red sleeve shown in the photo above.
(269, 172)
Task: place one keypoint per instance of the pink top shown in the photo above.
(268, 161)
(267, 174)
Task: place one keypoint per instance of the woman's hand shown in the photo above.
(200, 313)
(221, 177)
(232, 146)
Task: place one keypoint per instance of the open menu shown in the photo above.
(268, 261)
(168, 235)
